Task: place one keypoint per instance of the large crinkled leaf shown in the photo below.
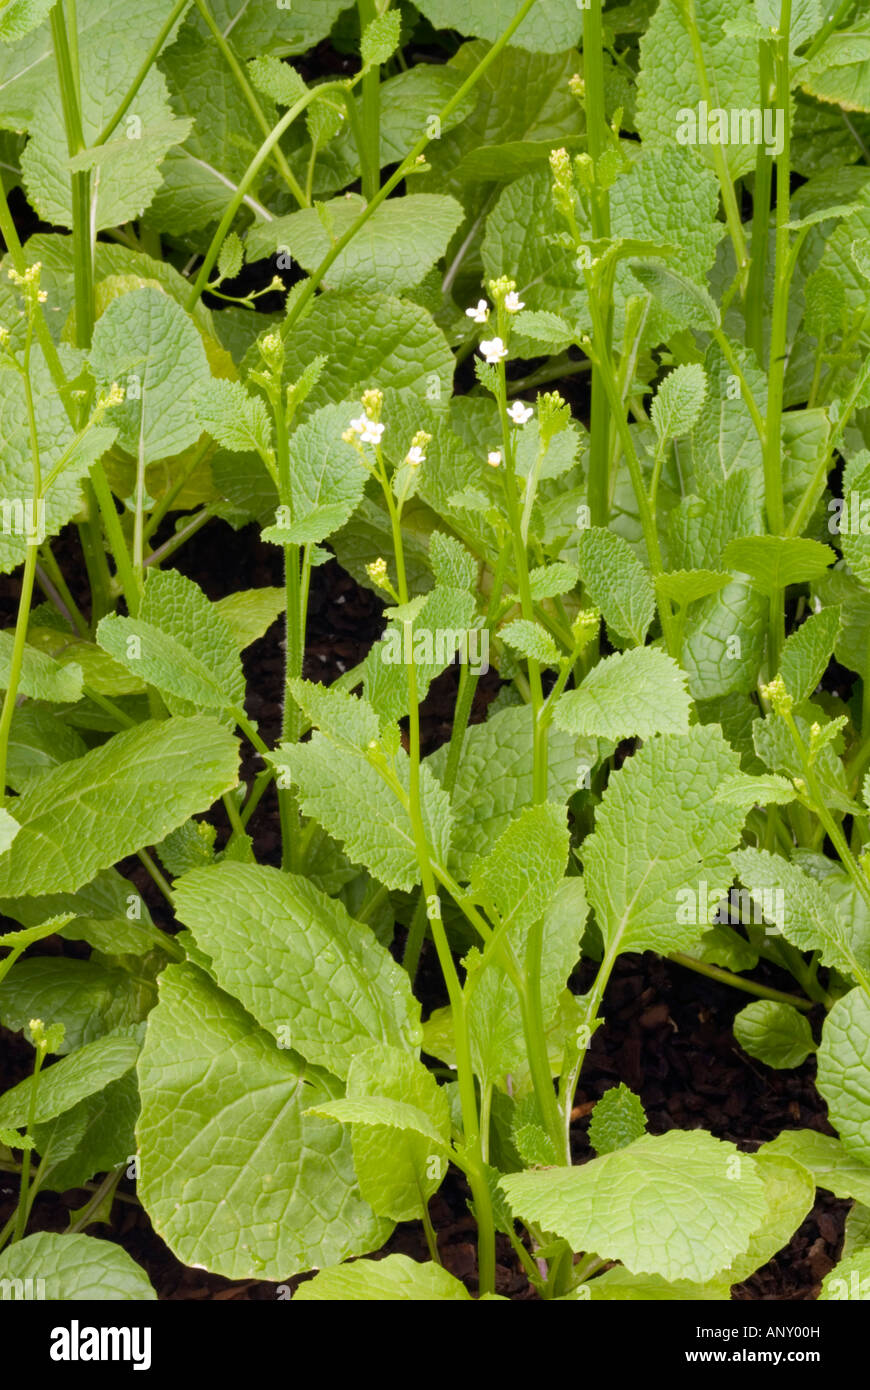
(393, 250)
(18, 517)
(68, 1081)
(616, 581)
(831, 1164)
(126, 169)
(90, 999)
(394, 1279)
(327, 478)
(76, 1269)
(668, 83)
(346, 795)
(525, 866)
(265, 28)
(842, 1075)
(552, 26)
(147, 344)
(233, 1175)
(200, 176)
(639, 692)
(372, 340)
(657, 835)
(807, 916)
(180, 643)
(840, 71)
(681, 1204)
(494, 780)
(320, 982)
(131, 791)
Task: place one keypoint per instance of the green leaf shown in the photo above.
(320, 982)
(18, 519)
(392, 251)
(678, 401)
(684, 301)
(327, 479)
(283, 1198)
(550, 28)
(525, 866)
(617, 1120)
(839, 71)
(804, 912)
(277, 80)
(90, 999)
(94, 1136)
(380, 38)
(548, 581)
(639, 692)
(131, 791)
(371, 823)
(833, 1166)
(618, 1284)
(790, 1192)
(842, 1074)
(76, 1268)
(68, 1081)
(494, 780)
(451, 563)
(848, 1279)
(531, 640)
(381, 1112)
(126, 168)
(19, 17)
(148, 345)
(745, 790)
(776, 1034)
(398, 1171)
(774, 562)
(681, 1204)
(98, 670)
(806, 653)
(617, 583)
(393, 1279)
(345, 718)
(249, 613)
(668, 85)
(683, 587)
(852, 525)
(234, 417)
(40, 678)
(651, 845)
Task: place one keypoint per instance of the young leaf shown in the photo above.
(345, 718)
(76, 1268)
(548, 581)
(150, 347)
(639, 692)
(842, 1073)
(617, 1120)
(806, 653)
(832, 1165)
(683, 587)
(651, 848)
(234, 417)
(380, 38)
(678, 401)
(616, 581)
(774, 562)
(453, 566)
(64, 1084)
(40, 678)
(89, 998)
(790, 1193)
(531, 640)
(391, 1280)
(213, 1082)
(249, 613)
(87, 814)
(681, 1204)
(310, 975)
(776, 1034)
(277, 80)
(526, 865)
(326, 479)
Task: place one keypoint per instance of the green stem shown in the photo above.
(727, 977)
(598, 487)
(23, 1208)
(112, 124)
(112, 522)
(370, 124)
(760, 217)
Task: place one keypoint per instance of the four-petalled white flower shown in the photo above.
(520, 413)
(493, 350)
(479, 311)
(369, 431)
(415, 455)
(493, 458)
(513, 303)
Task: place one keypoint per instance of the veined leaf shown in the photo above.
(774, 562)
(806, 653)
(327, 479)
(842, 1074)
(638, 692)
(832, 1165)
(616, 581)
(521, 873)
(65, 1083)
(76, 1268)
(776, 1034)
(617, 1120)
(678, 401)
(531, 641)
(393, 1279)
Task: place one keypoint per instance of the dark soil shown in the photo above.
(668, 1032)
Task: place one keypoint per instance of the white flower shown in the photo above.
(520, 413)
(513, 303)
(493, 350)
(479, 311)
(369, 431)
(415, 455)
(493, 458)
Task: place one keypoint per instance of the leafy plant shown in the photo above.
(579, 385)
